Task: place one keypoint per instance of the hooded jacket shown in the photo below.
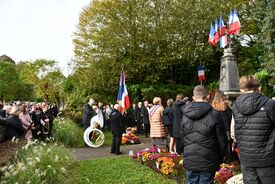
(177, 116)
(254, 116)
(204, 137)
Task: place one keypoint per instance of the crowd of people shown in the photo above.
(205, 131)
(26, 120)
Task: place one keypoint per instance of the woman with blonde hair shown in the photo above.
(157, 132)
(26, 120)
(220, 104)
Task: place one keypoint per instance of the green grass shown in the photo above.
(70, 134)
(117, 170)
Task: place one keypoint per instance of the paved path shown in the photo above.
(88, 153)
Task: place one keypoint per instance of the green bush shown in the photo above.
(68, 133)
(39, 163)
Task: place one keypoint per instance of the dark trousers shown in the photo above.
(179, 147)
(116, 141)
(262, 175)
(197, 177)
(146, 129)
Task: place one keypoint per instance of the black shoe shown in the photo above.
(112, 152)
(119, 153)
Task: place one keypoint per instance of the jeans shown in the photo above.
(198, 177)
(262, 175)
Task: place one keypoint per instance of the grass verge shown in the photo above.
(117, 170)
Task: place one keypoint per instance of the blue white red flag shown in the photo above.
(122, 97)
(234, 24)
(216, 35)
(211, 37)
(223, 37)
(201, 73)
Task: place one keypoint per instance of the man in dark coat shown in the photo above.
(88, 113)
(14, 125)
(177, 117)
(145, 118)
(204, 138)
(118, 128)
(254, 116)
(139, 118)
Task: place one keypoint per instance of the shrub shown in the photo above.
(68, 133)
(39, 163)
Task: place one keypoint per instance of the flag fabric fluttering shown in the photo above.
(216, 34)
(211, 35)
(201, 73)
(234, 23)
(122, 97)
(222, 31)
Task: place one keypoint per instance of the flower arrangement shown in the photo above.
(129, 137)
(161, 161)
(226, 172)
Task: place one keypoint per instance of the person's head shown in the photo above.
(179, 97)
(219, 102)
(157, 101)
(15, 110)
(146, 103)
(200, 93)
(1, 106)
(100, 104)
(170, 102)
(91, 102)
(7, 109)
(273, 98)
(249, 83)
(112, 106)
(139, 104)
(117, 107)
(134, 106)
(24, 108)
(44, 107)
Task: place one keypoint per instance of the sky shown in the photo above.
(39, 29)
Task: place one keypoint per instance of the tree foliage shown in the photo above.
(160, 43)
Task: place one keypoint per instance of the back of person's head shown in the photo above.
(170, 102)
(15, 110)
(1, 106)
(157, 101)
(179, 97)
(219, 102)
(200, 92)
(117, 107)
(249, 83)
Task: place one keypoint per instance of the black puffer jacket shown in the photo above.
(254, 116)
(204, 137)
(177, 116)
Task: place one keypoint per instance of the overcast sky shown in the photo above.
(34, 29)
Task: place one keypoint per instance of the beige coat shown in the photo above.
(156, 123)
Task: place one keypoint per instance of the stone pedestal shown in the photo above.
(229, 75)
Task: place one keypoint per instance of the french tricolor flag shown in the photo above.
(211, 37)
(223, 37)
(122, 97)
(216, 34)
(201, 73)
(234, 23)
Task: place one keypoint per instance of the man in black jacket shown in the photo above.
(177, 116)
(88, 113)
(145, 118)
(118, 128)
(254, 116)
(204, 138)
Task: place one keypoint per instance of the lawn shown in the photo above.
(117, 170)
